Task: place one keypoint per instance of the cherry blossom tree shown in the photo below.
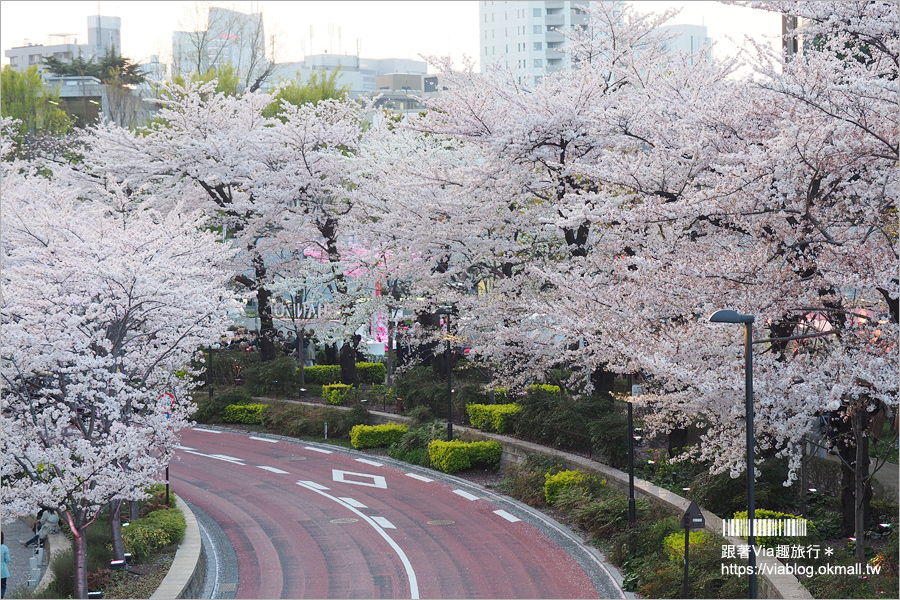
(102, 312)
(274, 185)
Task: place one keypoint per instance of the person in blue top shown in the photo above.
(4, 565)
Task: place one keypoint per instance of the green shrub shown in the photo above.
(322, 374)
(376, 436)
(555, 483)
(674, 543)
(775, 540)
(336, 393)
(371, 372)
(525, 482)
(451, 457)
(298, 420)
(493, 417)
(157, 530)
(544, 387)
(211, 411)
(243, 413)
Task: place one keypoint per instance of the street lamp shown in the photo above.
(730, 316)
(446, 310)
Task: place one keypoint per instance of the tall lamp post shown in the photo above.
(446, 310)
(730, 316)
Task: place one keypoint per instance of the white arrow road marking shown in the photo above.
(353, 503)
(273, 470)
(465, 495)
(230, 459)
(369, 462)
(384, 522)
(419, 477)
(259, 439)
(410, 574)
(507, 516)
(377, 480)
(323, 451)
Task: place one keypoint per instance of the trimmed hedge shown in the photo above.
(674, 543)
(376, 436)
(493, 417)
(243, 413)
(322, 374)
(370, 372)
(557, 482)
(454, 456)
(544, 387)
(336, 393)
(158, 529)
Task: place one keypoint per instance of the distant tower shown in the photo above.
(104, 33)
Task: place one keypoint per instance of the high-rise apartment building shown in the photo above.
(525, 36)
(229, 38)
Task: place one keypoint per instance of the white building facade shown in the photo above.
(104, 33)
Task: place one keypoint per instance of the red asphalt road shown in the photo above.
(407, 535)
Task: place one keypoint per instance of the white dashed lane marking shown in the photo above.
(312, 484)
(260, 439)
(206, 430)
(507, 516)
(419, 477)
(465, 495)
(385, 524)
(317, 449)
(369, 462)
(230, 459)
(353, 503)
(273, 470)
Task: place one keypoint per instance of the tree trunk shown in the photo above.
(115, 529)
(134, 510)
(861, 481)
(80, 548)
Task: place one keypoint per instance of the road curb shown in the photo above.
(186, 572)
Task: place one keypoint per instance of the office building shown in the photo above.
(104, 33)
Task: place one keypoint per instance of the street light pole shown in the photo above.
(631, 506)
(449, 385)
(730, 316)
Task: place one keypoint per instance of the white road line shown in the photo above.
(353, 503)
(465, 495)
(206, 430)
(317, 450)
(312, 485)
(272, 470)
(419, 477)
(410, 573)
(370, 462)
(228, 459)
(259, 439)
(179, 447)
(507, 516)
(384, 522)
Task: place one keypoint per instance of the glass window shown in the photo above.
(537, 12)
(538, 29)
(538, 46)
(539, 62)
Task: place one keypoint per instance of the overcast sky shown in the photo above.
(378, 29)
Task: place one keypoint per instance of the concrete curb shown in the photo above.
(186, 572)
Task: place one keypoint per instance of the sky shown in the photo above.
(377, 29)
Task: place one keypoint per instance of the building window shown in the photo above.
(537, 12)
(537, 29)
(539, 62)
(538, 46)
(13, 61)
(485, 16)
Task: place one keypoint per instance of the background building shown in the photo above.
(688, 39)
(104, 33)
(230, 38)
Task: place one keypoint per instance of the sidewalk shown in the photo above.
(20, 565)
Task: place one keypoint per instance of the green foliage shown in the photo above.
(556, 482)
(413, 446)
(336, 393)
(322, 374)
(110, 69)
(420, 415)
(243, 413)
(371, 372)
(493, 417)
(309, 421)
(673, 545)
(455, 456)
(228, 81)
(774, 540)
(544, 387)
(525, 482)
(24, 97)
(376, 436)
(320, 86)
(157, 530)
(212, 411)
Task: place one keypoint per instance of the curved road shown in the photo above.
(313, 521)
